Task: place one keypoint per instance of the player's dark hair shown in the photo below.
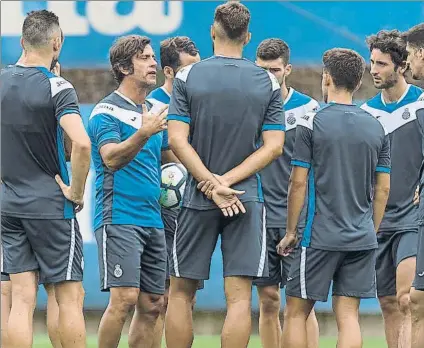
(39, 28)
(171, 48)
(389, 42)
(346, 67)
(122, 52)
(233, 18)
(271, 49)
(415, 36)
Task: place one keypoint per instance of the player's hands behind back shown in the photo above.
(77, 198)
(224, 197)
(154, 122)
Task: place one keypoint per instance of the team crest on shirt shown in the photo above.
(406, 114)
(291, 120)
(118, 271)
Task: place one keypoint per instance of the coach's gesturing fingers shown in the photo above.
(154, 122)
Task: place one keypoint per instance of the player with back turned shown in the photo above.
(40, 235)
(219, 108)
(342, 156)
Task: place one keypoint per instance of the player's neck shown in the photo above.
(226, 50)
(168, 86)
(393, 94)
(132, 91)
(340, 97)
(284, 91)
(33, 59)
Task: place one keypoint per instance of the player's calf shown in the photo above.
(6, 304)
(237, 325)
(147, 311)
(20, 325)
(417, 314)
(70, 298)
(121, 302)
(269, 316)
(346, 310)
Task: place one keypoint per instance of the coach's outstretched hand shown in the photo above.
(154, 122)
(287, 244)
(70, 195)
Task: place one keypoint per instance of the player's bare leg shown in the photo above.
(392, 319)
(312, 330)
(160, 323)
(269, 316)
(238, 324)
(6, 304)
(121, 303)
(52, 316)
(346, 310)
(142, 328)
(70, 300)
(417, 311)
(20, 325)
(294, 327)
(179, 316)
(405, 275)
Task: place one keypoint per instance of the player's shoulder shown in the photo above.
(374, 104)
(158, 97)
(108, 106)
(184, 72)
(57, 83)
(307, 120)
(297, 99)
(415, 93)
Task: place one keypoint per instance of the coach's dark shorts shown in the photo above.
(393, 248)
(54, 248)
(419, 276)
(169, 218)
(313, 271)
(279, 267)
(132, 256)
(243, 243)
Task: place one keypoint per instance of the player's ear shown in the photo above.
(22, 43)
(213, 32)
(358, 86)
(402, 68)
(288, 70)
(326, 79)
(57, 43)
(248, 38)
(168, 72)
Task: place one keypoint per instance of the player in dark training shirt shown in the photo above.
(342, 156)
(395, 107)
(219, 108)
(40, 235)
(175, 53)
(274, 55)
(415, 48)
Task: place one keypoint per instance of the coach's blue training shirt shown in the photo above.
(32, 102)
(228, 102)
(275, 177)
(129, 196)
(343, 146)
(400, 120)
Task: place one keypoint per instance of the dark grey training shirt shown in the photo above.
(32, 142)
(344, 147)
(228, 102)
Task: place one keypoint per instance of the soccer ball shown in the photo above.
(173, 181)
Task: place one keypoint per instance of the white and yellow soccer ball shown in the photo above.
(173, 182)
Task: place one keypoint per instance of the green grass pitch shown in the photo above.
(214, 342)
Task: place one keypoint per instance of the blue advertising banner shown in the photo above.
(309, 28)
